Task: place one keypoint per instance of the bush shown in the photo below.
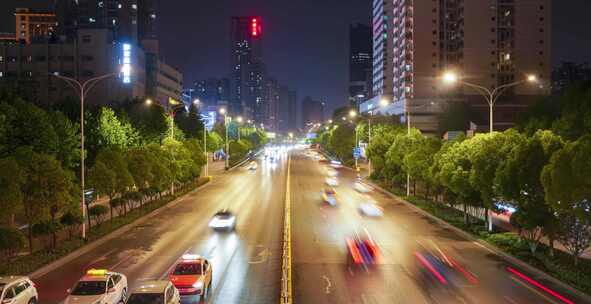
(71, 222)
(11, 240)
(98, 212)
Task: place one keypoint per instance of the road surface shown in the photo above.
(246, 263)
(321, 273)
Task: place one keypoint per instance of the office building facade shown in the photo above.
(312, 112)
(486, 43)
(382, 47)
(34, 25)
(360, 63)
(247, 78)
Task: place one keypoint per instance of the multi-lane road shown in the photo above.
(247, 262)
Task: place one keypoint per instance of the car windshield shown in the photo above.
(188, 269)
(223, 214)
(89, 288)
(146, 298)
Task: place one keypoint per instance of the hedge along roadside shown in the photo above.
(42, 262)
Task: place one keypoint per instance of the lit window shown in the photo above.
(114, 21)
(91, 20)
(100, 4)
(153, 16)
(1, 74)
(134, 6)
(119, 6)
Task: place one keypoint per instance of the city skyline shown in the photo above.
(321, 41)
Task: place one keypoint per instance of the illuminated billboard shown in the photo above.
(126, 63)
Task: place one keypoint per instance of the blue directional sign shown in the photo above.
(356, 152)
(208, 119)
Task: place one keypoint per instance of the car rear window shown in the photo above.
(188, 269)
(146, 298)
(223, 214)
(89, 288)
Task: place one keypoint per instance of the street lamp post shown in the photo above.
(239, 120)
(223, 112)
(83, 88)
(353, 114)
(489, 95)
(197, 103)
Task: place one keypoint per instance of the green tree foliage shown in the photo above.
(68, 148)
(12, 178)
(103, 180)
(342, 142)
(98, 213)
(190, 122)
(115, 161)
(214, 142)
(568, 115)
(419, 159)
(149, 120)
(71, 221)
(115, 133)
(11, 241)
(518, 179)
(28, 125)
(140, 163)
(46, 188)
(383, 136)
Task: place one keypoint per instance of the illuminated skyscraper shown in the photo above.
(248, 70)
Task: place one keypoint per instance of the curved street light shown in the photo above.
(82, 88)
(489, 95)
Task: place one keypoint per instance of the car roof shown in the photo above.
(11, 279)
(97, 277)
(156, 286)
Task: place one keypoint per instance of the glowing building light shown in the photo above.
(126, 63)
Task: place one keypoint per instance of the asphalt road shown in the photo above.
(246, 263)
(321, 273)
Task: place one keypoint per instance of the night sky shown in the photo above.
(305, 41)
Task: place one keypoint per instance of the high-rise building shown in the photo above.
(34, 25)
(360, 63)
(119, 16)
(312, 111)
(212, 91)
(569, 73)
(248, 71)
(486, 43)
(382, 47)
(292, 106)
(271, 105)
(146, 19)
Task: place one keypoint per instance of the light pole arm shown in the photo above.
(484, 91)
(498, 91)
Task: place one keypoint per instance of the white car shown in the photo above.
(336, 164)
(370, 209)
(360, 187)
(99, 286)
(223, 220)
(332, 172)
(155, 292)
(17, 290)
(331, 181)
(252, 166)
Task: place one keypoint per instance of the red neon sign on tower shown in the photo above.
(255, 27)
